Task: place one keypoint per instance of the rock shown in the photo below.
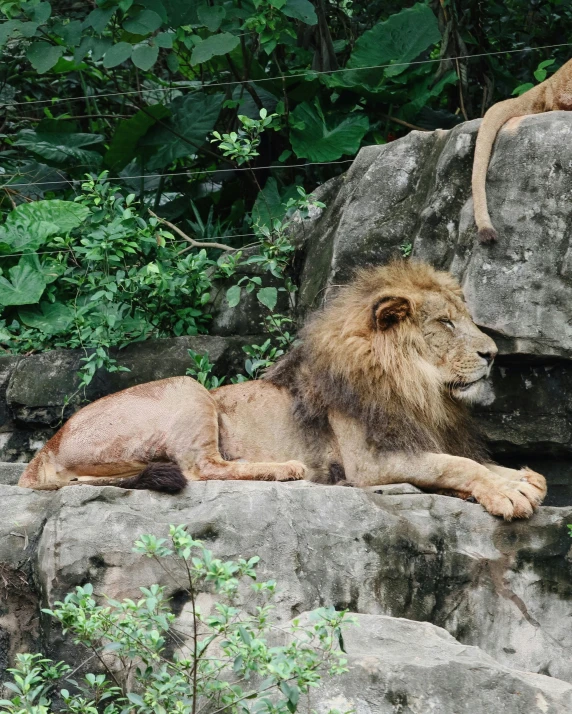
(398, 665)
(10, 473)
(414, 195)
(503, 587)
(24, 514)
(42, 390)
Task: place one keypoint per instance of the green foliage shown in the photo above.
(206, 113)
(224, 662)
(201, 369)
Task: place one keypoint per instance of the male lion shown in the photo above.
(375, 394)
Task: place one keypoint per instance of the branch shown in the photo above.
(194, 243)
(404, 123)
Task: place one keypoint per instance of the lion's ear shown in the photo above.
(389, 311)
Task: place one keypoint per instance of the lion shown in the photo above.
(376, 393)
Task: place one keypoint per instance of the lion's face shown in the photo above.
(460, 351)
(436, 319)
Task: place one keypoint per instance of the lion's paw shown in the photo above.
(291, 471)
(518, 497)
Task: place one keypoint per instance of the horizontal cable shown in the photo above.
(182, 173)
(307, 73)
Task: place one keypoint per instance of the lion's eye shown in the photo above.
(446, 321)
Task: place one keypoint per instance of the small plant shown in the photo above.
(406, 249)
(241, 147)
(223, 662)
(201, 369)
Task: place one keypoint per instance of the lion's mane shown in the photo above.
(381, 378)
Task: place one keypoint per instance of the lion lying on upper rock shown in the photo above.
(375, 394)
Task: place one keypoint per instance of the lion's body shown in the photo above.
(553, 94)
(373, 396)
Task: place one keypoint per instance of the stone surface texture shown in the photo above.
(502, 587)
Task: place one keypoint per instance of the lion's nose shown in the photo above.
(488, 356)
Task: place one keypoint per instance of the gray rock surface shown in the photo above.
(504, 587)
(416, 192)
(397, 665)
(10, 472)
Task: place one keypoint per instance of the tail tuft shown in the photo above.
(166, 478)
(488, 235)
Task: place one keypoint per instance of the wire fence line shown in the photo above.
(176, 173)
(310, 74)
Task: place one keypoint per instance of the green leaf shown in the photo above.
(26, 283)
(71, 33)
(43, 56)
(48, 317)
(270, 205)
(233, 295)
(399, 39)
(41, 12)
(122, 148)
(268, 297)
(61, 147)
(211, 17)
(117, 54)
(136, 699)
(214, 46)
(145, 56)
(193, 117)
(29, 225)
(164, 39)
(313, 139)
(301, 10)
(143, 23)
(98, 19)
(181, 12)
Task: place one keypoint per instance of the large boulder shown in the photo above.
(414, 196)
(504, 587)
(397, 665)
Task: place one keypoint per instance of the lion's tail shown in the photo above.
(164, 477)
(493, 120)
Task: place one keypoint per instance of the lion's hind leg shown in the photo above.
(194, 445)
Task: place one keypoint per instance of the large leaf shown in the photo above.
(193, 117)
(312, 138)
(48, 317)
(145, 56)
(181, 12)
(270, 205)
(117, 54)
(211, 17)
(213, 46)
(43, 56)
(300, 10)
(30, 224)
(143, 23)
(25, 284)
(61, 147)
(124, 142)
(400, 39)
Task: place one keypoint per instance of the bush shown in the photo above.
(223, 663)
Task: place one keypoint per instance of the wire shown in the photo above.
(307, 73)
(182, 173)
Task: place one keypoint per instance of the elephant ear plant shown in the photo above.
(150, 664)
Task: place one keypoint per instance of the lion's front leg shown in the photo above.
(503, 492)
